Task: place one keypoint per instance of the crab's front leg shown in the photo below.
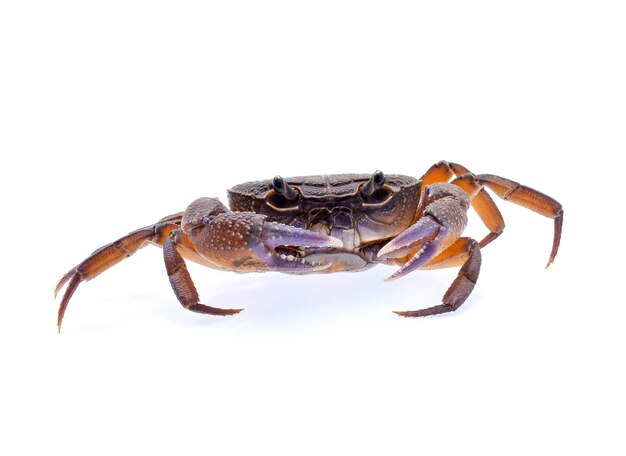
(236, 241)
(434, 241)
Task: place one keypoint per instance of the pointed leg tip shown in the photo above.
(235, 311)
(57, 289)
(218, 311)
(226, 312)
(69, 275)
(442, 308)
(404, 313)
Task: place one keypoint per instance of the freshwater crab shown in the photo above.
(323, 224)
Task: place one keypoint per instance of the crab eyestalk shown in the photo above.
(283, 188)
(375, 182)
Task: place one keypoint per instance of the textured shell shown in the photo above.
(321, 187)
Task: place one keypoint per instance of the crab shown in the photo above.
(325, 224)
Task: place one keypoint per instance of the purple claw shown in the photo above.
(423, 256)
(277, 234)
(424, 236)
(426, 228)
(294, 241)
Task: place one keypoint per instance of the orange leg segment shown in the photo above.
(530, 199)
(506, 189)
(482, 202)
(439, 172)
(108, 256)
(454, 256)
(465, 252)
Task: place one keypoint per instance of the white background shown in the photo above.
(113, 114)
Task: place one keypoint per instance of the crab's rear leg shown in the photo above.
(462, 252)
(519, 194)
(506, 189)
(109, 255)
(529, 198)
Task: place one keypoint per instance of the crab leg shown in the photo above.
(482, 202)
(506, 189)
(424, 236)
(465, 252)
(441, 223)
(181, 282)
(237, 241)
(454, 256)
(108, 256)
(451, 250)
(515, 193)
(529, 198)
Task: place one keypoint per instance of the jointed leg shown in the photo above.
(481, 201)
(436, 235)
(444, 247)
(181, 282)
(108, 256)
(442, 220)
(439, 172)
(505, 189)
(454, 256)
(528, 198)
(465, 252)
(484, 206)
(209, 234)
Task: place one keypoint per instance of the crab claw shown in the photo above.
(277, 234)
(285, 247)
(419, 240)
(248, 242)
(407, 241)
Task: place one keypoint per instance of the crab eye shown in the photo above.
(378, 178)
(375, 183)
(279, 184)
(374, 190)
(284, 197)
(283, 188)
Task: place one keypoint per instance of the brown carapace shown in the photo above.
(324, 224)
